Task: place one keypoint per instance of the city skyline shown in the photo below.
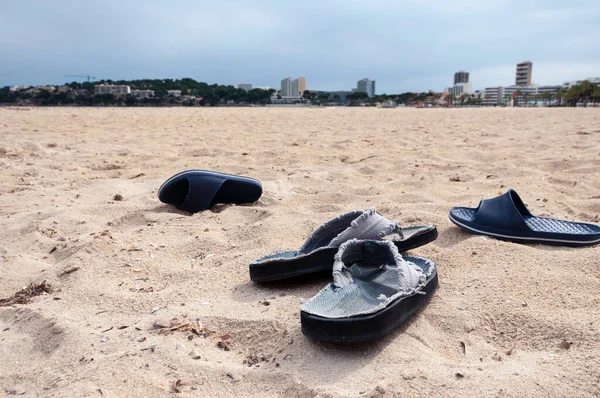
(138, 40)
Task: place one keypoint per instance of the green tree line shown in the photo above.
(215, 94)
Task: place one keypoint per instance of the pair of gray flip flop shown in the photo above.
(375, 286)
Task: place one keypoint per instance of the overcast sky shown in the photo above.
(404, 45)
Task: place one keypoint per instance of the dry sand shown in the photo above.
(494, 327)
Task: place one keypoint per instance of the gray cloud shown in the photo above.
(404, 45)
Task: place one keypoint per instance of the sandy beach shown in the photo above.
(151, 301)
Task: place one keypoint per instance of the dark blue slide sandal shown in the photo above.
(197, 190)
(506, 217)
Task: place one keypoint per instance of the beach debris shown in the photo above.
(155, 309)
(24, 295)
(138, 289)
(104, 339)
(565, 344)
(255, 359)
(491, 176)
(174, 325)
(455, 179)
(230, 376)
(223, 343)
(524, 304)
(265, 302)
(245, 153)
(459, 375)
(195, 355)
(68, 270)
(463, 346)
(53, 250)
(176, 387)
(497, 357)
(118, 197)
(137, 176)
(107, 330)
(510, 351)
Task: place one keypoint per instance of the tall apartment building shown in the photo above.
(461, 77)
(293, 88)
(366, 86)
(111, 89)
(523, 74)
(286, 87)
(245, 86)
(299, 86)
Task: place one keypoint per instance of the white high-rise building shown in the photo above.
(286, 87)
(293, 88)
(366, 86)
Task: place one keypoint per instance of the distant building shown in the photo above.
(523, 74)
(366, 86)
(461, 77)
(286, 87)
(293, 88)
(64, 89)
(299, 86)
(342, 94)
(266, 88)
(547, 89)
(493, 95)
(49, 89)
(78, 92)
(460, 88)
(16, 88)
(111, 89)
(518, 95)
(174, 93)
(593, 80)
(245, 86)
(143, 93)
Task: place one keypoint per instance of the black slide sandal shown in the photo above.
(197, 190)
